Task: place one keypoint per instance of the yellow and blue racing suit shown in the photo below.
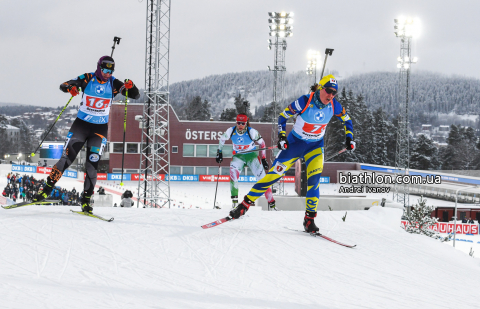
(304, 141)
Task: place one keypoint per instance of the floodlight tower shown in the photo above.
(155, 148)
(405, 29)
(313, 57)
(280, 26)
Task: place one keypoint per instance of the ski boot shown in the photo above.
(44, 193)
(271, 206)
(242, 208)
(86, 204)
(309, 223)
(234, 201)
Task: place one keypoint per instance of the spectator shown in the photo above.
(464, 220)
(471, 221)
(127, 199)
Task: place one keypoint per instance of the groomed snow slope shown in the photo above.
(161, 258)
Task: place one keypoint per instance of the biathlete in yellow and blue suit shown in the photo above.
(314, 112)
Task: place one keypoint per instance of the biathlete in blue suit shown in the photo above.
(91, 125)
(314, 112)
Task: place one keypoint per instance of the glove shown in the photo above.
(219, 157)
(282, 142)
(350, 144)
(128, 84)
(73, 90)
(265, 164)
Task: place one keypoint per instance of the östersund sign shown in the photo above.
(203, 135)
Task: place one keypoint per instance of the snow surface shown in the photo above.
(161, 258)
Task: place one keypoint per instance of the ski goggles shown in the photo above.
(331, 91)
(107, 71)
(241, 123)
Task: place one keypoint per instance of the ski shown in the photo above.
(215, 223)
(92, 215)
(317, 234)
(31, 204)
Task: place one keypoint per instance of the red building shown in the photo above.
(193, 144)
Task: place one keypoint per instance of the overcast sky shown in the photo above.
(44, 43)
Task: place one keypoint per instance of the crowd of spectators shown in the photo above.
(24, 188)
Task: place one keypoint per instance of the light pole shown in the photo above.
(313, 57)
(280, 27)
(405, 30)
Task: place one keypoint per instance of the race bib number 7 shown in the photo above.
(314, 128)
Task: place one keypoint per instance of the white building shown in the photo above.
(13, 133)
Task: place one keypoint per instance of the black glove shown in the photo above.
(282, 142)
(350, 144)
(219, 157)
(265, 164)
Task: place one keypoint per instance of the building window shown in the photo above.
(175, 170)
(132, 148)
(201, 170)
(213, 170)
(160, 148)
(225, 170)
(187, 170)
(227, 151)
(188, 150)
(201, 151)
(117, 147)
(212, 151)
(174, 149)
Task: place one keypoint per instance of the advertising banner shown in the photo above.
(447, 228)
(118, 177)
(183, 177)
(213, 178)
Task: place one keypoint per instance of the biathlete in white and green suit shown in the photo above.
(314, 112)
(243, 139)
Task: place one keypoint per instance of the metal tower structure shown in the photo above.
(405, 30)
(280, 29)
(154, 191)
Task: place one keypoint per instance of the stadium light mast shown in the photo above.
(153, 191)
(313, 57)
(280, 27)
(405, 30)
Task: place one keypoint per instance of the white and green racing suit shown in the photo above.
(241, 143)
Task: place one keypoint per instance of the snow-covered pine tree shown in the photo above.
(424, 155)
(420, 220)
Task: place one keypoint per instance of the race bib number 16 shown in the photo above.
(97, 103)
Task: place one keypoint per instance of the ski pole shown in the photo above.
(116, 40)
(33, 153)
(218, 177)
(124, 130)
(341, 151)
(328, 51)
(254, 150)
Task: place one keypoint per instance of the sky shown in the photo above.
(47, 42)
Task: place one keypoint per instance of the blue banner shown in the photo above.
(247, 179)
(324, 179)
(182, 177)
(70, 174)
(118, 176)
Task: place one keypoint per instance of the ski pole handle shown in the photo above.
(341, 151)
(254, 150)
